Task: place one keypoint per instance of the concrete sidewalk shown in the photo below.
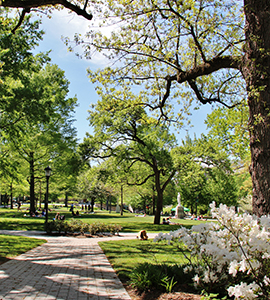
(63, 268)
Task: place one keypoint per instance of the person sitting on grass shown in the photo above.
(165, 222)
(142, 235)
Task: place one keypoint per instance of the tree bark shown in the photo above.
(28, 4)
(153, 200)
(92, 204)
(66, 199)
(11, 197)
(121, 209)
(32, 183)
(159, 203)
(255, 69)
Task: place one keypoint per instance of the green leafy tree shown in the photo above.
(21, 96)
(92, 185)
(66, 169)
(212, 51)
(205, 174)
(124, 131)
(42, 142)
(12, 172)
(229, 128)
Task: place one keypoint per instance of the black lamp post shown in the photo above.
(48, 171)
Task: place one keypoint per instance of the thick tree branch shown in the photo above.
(24, 12)
(211, 66)
(141, 182)
(190, 76)
(193, 85)
(27, 5)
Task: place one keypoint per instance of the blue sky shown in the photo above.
(65, 24)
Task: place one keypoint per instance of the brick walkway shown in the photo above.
(63, 268)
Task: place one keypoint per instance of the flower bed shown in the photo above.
(231, 257)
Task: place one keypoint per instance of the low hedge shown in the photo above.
(78, 226)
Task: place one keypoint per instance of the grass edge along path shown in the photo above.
(12, 246)
(125, 255)
(14, 220)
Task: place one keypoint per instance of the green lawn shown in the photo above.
(11, 246)
(14, 220)
(125, 255)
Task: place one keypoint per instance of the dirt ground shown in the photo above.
(157, 295)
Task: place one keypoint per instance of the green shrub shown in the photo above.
(140, 280)
(76, 226)
(49, 227)
(79, 226)
(160, 276)
(61, 226)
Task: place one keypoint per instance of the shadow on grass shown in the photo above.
(3, 259)
(127, 254)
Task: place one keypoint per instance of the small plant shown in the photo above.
(147, 275)
(168, 283)
(140, 280)
(211, 296)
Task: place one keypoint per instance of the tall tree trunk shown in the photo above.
(11, 196)
(153, 200)
(32, 183)
(66, 199)
(159, 198)
(255, 70)
(121, 209)
(40, 194)
(92, 204)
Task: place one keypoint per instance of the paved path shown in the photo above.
(63, 268)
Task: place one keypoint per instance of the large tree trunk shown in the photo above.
(256, 71)
(159, 204)
(32, 183)
(153, 200)
(66, 199)
(122, 197)
(11, 196)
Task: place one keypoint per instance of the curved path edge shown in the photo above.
(64, 268)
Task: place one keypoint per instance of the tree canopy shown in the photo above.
(124, 131)
(36, 114)
(216, 52)
(205, 175)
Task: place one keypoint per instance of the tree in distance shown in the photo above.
(206, 51)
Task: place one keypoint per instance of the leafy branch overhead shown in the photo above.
(186, 53)
(80, 7)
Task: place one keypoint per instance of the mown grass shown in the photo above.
(125, 255)
(16, 220)
(11, 246)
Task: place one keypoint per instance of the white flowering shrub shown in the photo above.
(232, 254)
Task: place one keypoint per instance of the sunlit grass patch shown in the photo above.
(11, 246)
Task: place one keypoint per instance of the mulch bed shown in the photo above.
(158, 295)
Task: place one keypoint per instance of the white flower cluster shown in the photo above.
(236, 244)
